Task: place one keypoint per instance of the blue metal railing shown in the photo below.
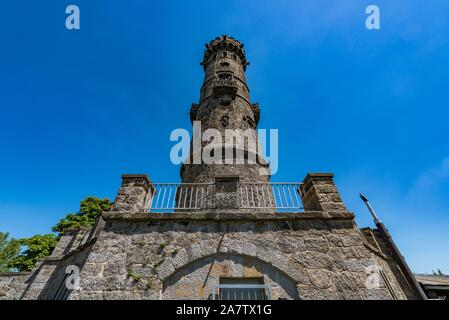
(279, 196)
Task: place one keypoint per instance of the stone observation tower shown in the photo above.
(226, 231)
(225, 106)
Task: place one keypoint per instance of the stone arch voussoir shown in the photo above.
(198, 274)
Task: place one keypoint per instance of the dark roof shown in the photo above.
(431, 280)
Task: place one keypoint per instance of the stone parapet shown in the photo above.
(135, 193)
(319, 193)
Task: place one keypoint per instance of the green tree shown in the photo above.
(9, 250)
(37, 247)
(41, 246)
(90, 209)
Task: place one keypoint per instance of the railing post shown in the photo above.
(135, 193)
(319, 193)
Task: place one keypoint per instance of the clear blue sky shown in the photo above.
(79, 108)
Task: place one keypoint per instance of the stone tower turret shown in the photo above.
(225, 106)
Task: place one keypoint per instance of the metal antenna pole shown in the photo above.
(395, 251)
(371, 210)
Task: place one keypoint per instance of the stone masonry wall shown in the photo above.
(47, 280)
(12, 285)
(302, 258)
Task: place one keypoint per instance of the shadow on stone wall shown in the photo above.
(196, 279)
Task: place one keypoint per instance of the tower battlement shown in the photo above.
(224, 43)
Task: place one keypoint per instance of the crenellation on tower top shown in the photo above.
(224, 43)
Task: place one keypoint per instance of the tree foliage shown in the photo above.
(438, 273)
(41, 246)
(90, 209)
(37, 247)
(9, 250)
